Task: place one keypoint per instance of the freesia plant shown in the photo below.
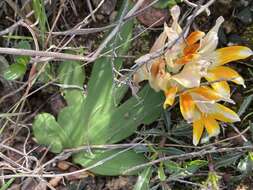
(182, 68)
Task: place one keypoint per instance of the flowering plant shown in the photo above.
(179, 71)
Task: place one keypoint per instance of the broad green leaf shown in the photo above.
(71, 75)
(48, 132)
(143, 179)
(110, 162)
(124, 121)
(97, 118)
(68, 119)
(100, 101)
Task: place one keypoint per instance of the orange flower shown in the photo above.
(199, 106)
(181, 69)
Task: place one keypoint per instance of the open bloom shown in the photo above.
(199, 106)
(182, 67)
(210, 64)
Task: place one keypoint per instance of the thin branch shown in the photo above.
(54, 55)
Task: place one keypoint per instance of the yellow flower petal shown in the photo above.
(198, 127)
(170, 95)
(212, 126)
(189, 77)
(221, 88)
(225, 114)
(224, 73)
(188, 108)
(228, 54)
(194, 37)
(206, 93)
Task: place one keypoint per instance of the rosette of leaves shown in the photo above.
(99, 116)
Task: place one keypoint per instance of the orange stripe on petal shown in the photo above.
(198, 127)
(170, 97)
(228, 54)
(191, 49)
(212, 126)
(187, 107)
(194, 37)
(207, 93)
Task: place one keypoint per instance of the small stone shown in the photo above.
(55, 181)
(100, 17)
(63, 165)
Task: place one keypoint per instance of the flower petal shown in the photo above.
(212, 126)
(210, 41)
(224, 73)
(194, 37)
(159, 43)
(198, 127)
(175, 13)
(222, 88)
(189, 77)
(228, 54)
(191, 49)
(188, 108)
(170, 95)
(206, 93)
(187, 59)
(225, 114)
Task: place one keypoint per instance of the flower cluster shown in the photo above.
(182, 67)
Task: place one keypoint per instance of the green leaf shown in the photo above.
(18, 69)
(160, 172)
(40, 14)
(15, 71)
(195, 165)
(246, 165)
(245, 104)
(143, 179)
(110, 162)
(71, 75)
(48, 132)
(227, 160)
(173, 167)
(6, 185)
(100, 102)
(124, 121)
